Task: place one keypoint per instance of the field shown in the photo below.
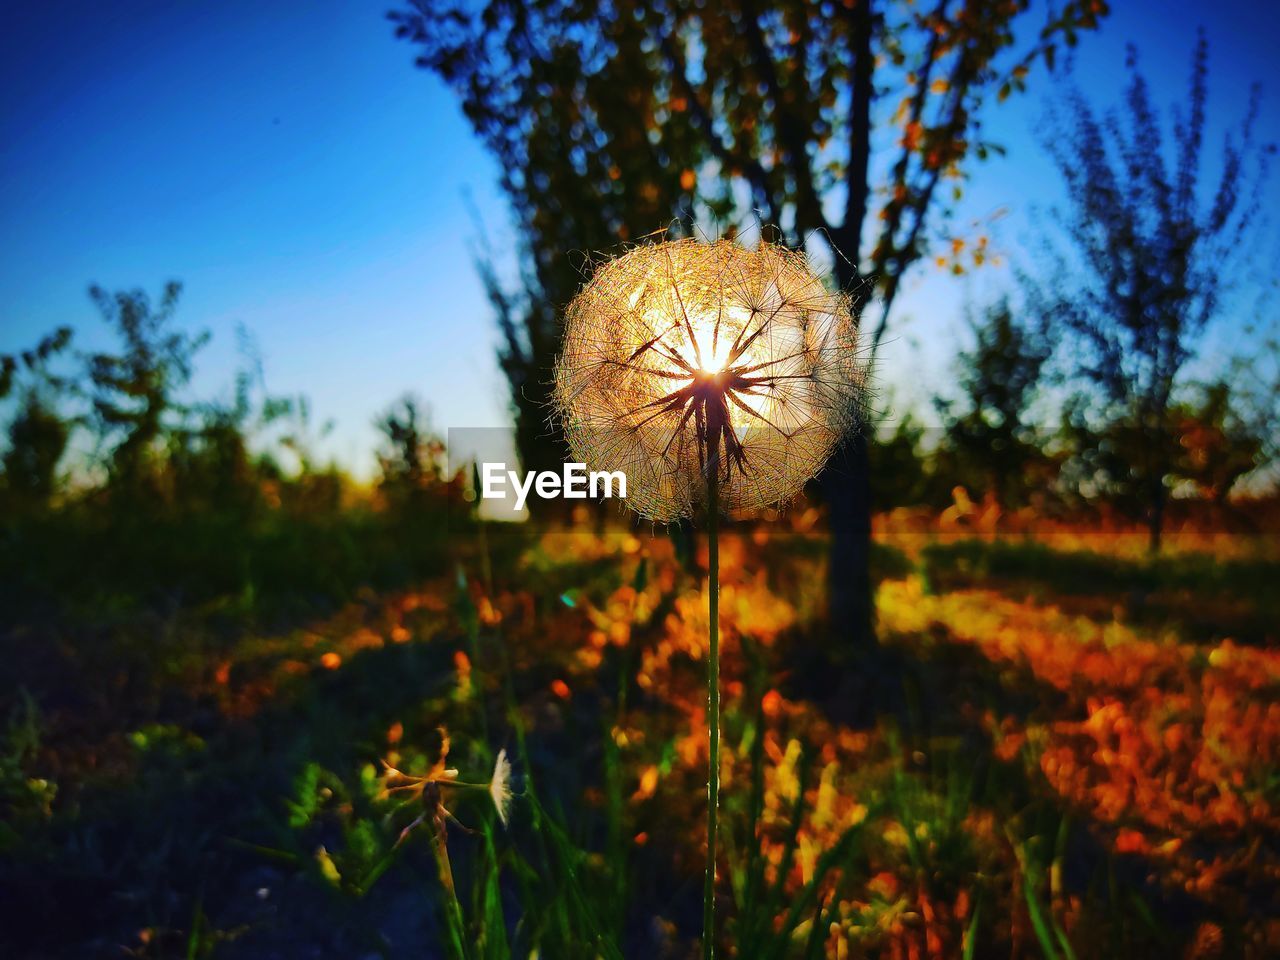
(1059, 746)
(929, 612)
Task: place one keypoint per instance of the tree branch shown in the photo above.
(809, 214)
(754, 171)
(848, 236)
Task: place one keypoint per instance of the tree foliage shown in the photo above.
(990, 436)
(172, 496)
(611, 119)
(38, 433)
(900, 476)
(1154, 251)
(135, 391)
(411, 455)
(1218, 442)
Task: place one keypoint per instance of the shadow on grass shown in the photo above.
(940, 700)
(170, 842)
(1204, 598)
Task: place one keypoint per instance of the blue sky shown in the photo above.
(288, 163)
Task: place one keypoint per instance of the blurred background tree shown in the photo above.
(410, 458)
(606, 119)
(120, 488)
(212, 466)
(134, 393)
(563, 96)
(991, 443)
(38, 433)
(1253, 403)
(899, 474)
(1151, 263)
(1218, 442)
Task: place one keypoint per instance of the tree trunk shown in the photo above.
(847, 490)
(846, 487)
(1155, 516)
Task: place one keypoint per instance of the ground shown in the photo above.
(1060, 747)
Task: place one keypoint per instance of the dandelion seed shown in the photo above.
(500, 786)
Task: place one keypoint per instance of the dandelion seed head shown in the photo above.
(684, 357)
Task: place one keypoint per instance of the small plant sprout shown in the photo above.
(718, 379)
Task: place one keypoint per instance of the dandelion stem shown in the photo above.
(713, 700)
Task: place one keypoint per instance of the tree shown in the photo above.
(38, 433)
(1153, 262)
(1254, 407)
(899, 477)
(1218, 442)
(987, 427)
(133, 392)
(410, 457)
(211, 465)
(611, 118)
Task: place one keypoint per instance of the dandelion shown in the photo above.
(428, 788)
(686, 360)
(429, 791)
(718, 378)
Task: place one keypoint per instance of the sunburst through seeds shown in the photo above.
(683, 357)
